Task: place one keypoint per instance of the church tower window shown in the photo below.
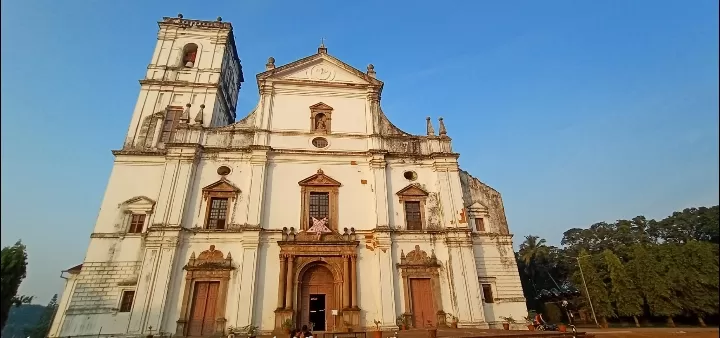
(189, 55)
(172, 118)
(217, 213)
(413, 198)
(126, 301)
(137, 221)
(319, 205)
(412, 215)
(319, 199)
(487, 293)
(480, 224)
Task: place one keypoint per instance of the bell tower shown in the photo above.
(194, 77)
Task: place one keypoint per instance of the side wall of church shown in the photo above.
(494, 254)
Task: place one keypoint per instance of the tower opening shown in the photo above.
(189, 55)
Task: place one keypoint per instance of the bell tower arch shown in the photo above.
(194, 78)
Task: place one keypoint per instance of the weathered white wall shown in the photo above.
(130, 177)
(495, 258)
(165, 79)
(282, 191)
(291, 108)
(270, 198)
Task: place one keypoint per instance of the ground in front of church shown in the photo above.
(597, 333)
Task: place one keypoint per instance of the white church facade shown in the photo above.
(206, 222)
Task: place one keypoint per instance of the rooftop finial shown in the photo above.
(371, 70)
(180, 15)
(219, 18)
(199, 116)
(430, 129)
(270, 63)
(322, 49)
(443, 131)
(185, 117)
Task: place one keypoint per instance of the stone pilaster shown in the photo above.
(153, 283)
(353, 282)
(258, 165)
(346, 282)
(377, 168)
(246, 279)
(385, 290)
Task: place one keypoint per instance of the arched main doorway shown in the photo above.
(318, 290)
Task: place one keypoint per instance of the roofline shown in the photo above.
(371, 80)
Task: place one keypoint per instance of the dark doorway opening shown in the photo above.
(317, 311)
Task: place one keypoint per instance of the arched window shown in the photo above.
(189, 55)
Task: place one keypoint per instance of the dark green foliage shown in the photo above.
(594, 277)
(41, 329)
(14, 269)
(694, 277)
(635, 268)
(623, 293)
(699, 224)
(22, 318)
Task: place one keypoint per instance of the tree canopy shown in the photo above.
(633, 268)
(13, 271)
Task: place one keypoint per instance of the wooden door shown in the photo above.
(317, 280)
(423, 307)
(202, 312)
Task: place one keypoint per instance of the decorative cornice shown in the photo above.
(152, 82)
(140, 152)
(188, 23)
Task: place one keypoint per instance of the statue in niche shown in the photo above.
(320, 122)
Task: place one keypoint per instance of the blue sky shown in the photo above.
(576, 111)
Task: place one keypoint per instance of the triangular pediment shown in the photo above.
(319, 67)
(477, 206)
(412, 190)
(320, 179)
(139, 201)
(222, 185)
(320, 106)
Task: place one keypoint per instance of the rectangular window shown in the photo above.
(217, 215)
(136, 223)
(487, 293)
(319, 206)
(127, 301)
(172, 118)
(412, 215)
(480, 224)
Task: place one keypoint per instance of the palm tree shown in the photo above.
(531, 251)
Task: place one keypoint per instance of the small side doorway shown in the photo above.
(317, 311)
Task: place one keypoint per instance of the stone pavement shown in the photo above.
(448, 332)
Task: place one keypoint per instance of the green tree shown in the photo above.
(694, 277)
(13, 271)
(41, 329)
(649, 272)
(701, 224)
(531, 250)
(594, 280)
(623, 293)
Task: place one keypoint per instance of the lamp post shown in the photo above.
(587, 293)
